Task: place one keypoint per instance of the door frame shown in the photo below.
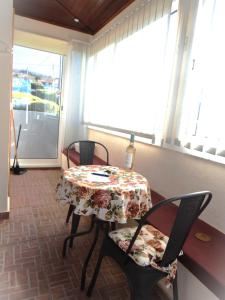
(46, 162)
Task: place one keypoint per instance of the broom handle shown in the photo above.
(14, 135)
(18, 138)
(16, 141)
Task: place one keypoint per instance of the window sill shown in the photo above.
(194, 153)
(139, 139)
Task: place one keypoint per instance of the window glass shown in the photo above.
(127, 84)
(203, 121)
(36, 101)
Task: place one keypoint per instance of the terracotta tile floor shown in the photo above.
(31, 263)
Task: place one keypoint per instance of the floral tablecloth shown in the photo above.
(121, 196)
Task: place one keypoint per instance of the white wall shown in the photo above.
(172, 173)
(190, 288)
(6, 22)
(49, 30)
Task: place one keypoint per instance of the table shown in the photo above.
(121, 196)
(110, 193)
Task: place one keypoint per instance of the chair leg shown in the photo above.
(95, 275)
(70, 211)
(75, 224)
(92, 224)
(74, 227)
(84, 269)
(74, 233)
(175, 289)
(98, 265)
(113, 226)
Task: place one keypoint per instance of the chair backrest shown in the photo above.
(190, 207)
(86, 149)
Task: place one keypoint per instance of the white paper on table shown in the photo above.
(96, 178)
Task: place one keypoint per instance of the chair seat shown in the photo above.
(148, 248)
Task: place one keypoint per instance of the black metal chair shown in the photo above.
(86, 151)
(86, 157)
(141, 279)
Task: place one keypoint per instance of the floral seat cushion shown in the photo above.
(148, 248)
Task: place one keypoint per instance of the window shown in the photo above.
(164, 80)
(127, 83)
(202, 118)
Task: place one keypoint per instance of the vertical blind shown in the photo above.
(74, 128)
(135, 67)
(144, 13)
(128, 72)
(202, 122)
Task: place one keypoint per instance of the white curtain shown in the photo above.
(74, 128)
(128, 72)
(202, 118)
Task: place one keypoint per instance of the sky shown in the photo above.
(46, 63)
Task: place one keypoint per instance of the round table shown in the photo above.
(113, 194)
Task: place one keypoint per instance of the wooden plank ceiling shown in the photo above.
(87, 16)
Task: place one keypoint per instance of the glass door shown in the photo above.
(36, 97)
